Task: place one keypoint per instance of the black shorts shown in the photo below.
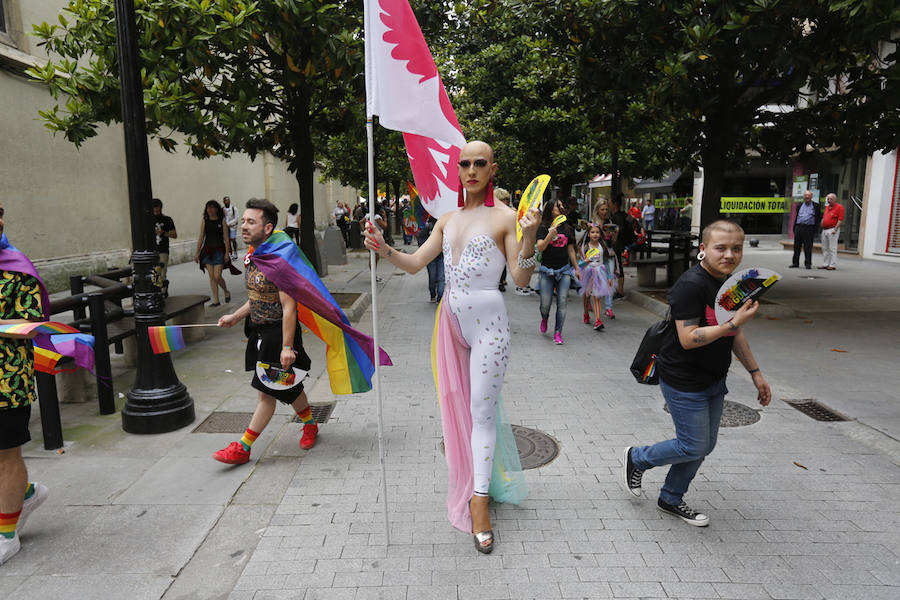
(264, 346)
(14, 427)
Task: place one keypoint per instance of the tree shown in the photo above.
(231, 75)
(780, 78)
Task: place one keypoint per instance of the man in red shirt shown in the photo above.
(831, 229)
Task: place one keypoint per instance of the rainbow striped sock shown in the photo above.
(8, 524)
(248, 439)
(29, 491)
(306, 416)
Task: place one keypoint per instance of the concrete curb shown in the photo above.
(359, 306)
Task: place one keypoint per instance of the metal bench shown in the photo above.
(101, 314)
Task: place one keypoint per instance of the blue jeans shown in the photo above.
(559, 280)
(436, 276)
(696, 417)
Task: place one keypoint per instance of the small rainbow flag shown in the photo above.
(166, 338)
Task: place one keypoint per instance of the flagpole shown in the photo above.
(376, 380)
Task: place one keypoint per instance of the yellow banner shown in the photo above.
(669, 202)
(752, 205)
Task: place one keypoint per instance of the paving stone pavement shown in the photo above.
(779, 530)
(154, 517)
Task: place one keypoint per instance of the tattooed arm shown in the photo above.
(691, 335)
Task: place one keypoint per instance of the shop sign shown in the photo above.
(670, 202)
(752, 205)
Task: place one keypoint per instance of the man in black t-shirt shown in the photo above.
(626, 225)
(693, 363)
(164, 227)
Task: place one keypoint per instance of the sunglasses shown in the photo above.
(478, 162)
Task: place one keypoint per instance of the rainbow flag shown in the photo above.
(45, 360)
(79, 346)
(350, 353)
(48, 327)
(416, 204)
(60, 338)
(166, 338)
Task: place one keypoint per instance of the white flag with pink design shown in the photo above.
(404, 89)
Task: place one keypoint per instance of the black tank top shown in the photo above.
(213, 234)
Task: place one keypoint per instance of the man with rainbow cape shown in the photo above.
(283, 288)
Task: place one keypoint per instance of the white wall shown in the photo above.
(877, 207)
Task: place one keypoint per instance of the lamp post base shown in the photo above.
(157, 411)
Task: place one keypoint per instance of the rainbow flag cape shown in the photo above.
(166, 338)
(350, 355)
(54, 338)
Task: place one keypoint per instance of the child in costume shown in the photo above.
(597, 274)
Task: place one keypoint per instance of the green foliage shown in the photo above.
(225, 73)
(230, 75)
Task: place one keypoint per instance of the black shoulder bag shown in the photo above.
(643, 367)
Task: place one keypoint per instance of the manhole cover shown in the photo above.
(237, 422)
(816, 410)
(320, 412)
(734, 414)
(536, 448)
(224, 422)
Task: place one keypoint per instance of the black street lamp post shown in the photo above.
(158, 402)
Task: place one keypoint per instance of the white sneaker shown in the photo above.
(520, 291)
(9, 548)
(41, 493)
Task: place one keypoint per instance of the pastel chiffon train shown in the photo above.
(450, 362)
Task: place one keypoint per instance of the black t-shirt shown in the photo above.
(626, 225)
(694, 296)
(166, 224)
(556, 254)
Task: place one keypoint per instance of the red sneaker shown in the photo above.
(308, 440)
(587, 319)
(232, 454)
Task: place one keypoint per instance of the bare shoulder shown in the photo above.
(445, 218)
(503, 216)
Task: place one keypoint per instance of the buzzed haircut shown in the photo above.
(156, 202)
(269, 210)
(720, 225)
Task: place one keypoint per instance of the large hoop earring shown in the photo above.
(460, 200)
(489, 193)
(701, 255)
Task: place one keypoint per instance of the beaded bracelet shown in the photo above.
(526, 263)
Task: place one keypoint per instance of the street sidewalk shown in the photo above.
(799, 508)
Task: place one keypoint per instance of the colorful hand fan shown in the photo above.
(591, 253)
(276, 378)
(558, 221)
(531, 199)
(747, 284)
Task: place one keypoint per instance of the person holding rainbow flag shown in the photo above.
(283, 288)
(21, 296)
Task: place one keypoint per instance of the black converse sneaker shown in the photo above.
(631, 475)
(684, 512)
